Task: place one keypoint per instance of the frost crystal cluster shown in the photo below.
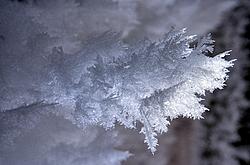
(52, 70)
(152, 83)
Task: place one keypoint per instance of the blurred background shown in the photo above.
(221, 138)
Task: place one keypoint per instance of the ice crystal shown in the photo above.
(103, 81)
(153, 83)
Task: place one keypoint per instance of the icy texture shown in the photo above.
(32, 130)
(49, 70)
(154, 84)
